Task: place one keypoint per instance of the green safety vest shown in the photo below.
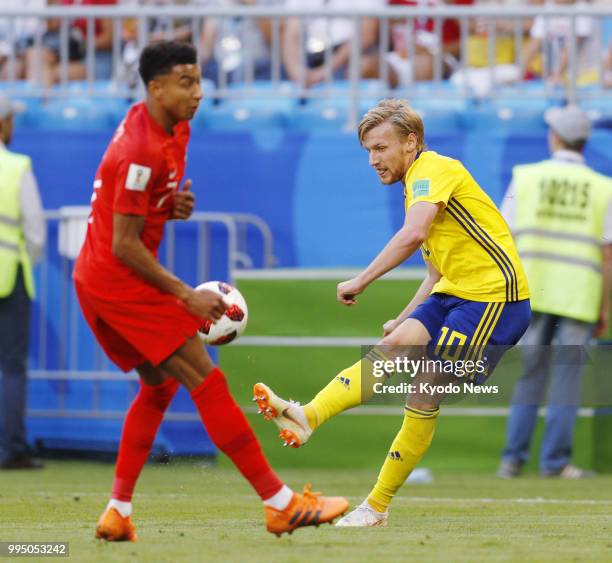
(560, 213)
(13, 249)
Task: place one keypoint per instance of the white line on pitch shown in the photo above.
(536, 500)
(322, 274)
(398, 410)
(306, 341)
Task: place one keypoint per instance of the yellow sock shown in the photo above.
(351, 387)
(409, 446)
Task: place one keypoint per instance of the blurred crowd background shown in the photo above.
(477, 51)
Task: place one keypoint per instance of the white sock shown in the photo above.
(124, 508)
(280, 500)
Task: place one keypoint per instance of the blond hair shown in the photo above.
(399, 114)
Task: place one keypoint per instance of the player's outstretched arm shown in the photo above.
(404, 243)
(129, 249)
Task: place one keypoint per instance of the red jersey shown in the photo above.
(451, 31)
(139, 175)
(82, 22)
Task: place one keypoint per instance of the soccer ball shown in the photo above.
(232, 324)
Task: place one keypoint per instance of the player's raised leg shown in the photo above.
(230, 431)
(488, 328)
(350, 388)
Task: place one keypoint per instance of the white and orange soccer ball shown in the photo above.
(232, 324)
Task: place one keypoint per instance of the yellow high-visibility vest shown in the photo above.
(560, 213)
(13, 251)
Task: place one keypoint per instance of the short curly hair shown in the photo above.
(159, 58)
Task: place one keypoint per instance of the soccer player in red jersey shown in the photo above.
(147, 319)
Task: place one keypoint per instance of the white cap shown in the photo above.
(570, 122)
(8, 107)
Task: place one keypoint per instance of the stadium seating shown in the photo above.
(78, 114)
(259, 105)
(234, 116)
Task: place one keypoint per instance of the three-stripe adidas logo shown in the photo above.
(395, 456)
(305, 520)
(346, 381)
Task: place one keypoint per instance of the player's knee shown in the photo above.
(394, 339)
(161, 395)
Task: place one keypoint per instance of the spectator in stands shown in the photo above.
(103, 35)
(565, 241)
(505, 69)
(44, 67)
(22, 237)
(232, 44)
(14, 45)
(426, 44)
(47, 65)
(315, 36)
(167, 27)
(550, 36)
(159, 28)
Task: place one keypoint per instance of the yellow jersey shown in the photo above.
(469, 241)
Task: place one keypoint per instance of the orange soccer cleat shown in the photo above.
(287, 415)
(114, 527)
(307, 509)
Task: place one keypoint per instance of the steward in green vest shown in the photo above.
(561, 208)
(22, 237)
(13, 248)
(560, 213)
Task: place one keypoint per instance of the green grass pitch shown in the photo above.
(193, 513)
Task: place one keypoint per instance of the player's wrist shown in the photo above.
(363, 281)
(184, 293)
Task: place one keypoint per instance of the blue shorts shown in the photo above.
(472, 330)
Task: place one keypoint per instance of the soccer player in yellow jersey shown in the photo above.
(475, 295)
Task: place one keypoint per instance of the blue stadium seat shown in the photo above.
(208, 88)
(439, 121)
(263, 94)
(235, 117)
(505, 119)
(596, 106)
(321, 115)
(430, 89)
(509, 114)
(77, 114)
(32, 106)
(16, 86)
(332, 114)
(96, 89)
(441, 114)
(367, 86)
(600, 112)
(339, 92)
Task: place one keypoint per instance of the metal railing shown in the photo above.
(489, 17)
(60, 337)
(56, 299)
